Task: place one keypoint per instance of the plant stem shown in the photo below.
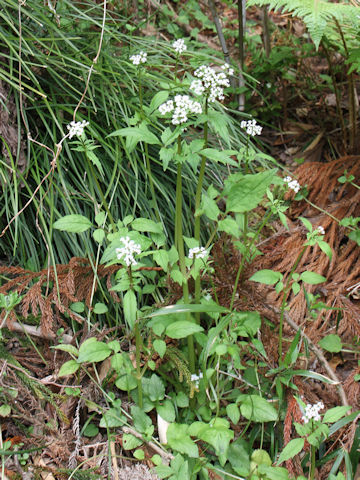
(243, 259)
(283, 303)
(179, 242)
(312, 460)
(197, 206)
(138, 370)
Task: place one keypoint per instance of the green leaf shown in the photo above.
(130, 442)
(167, 411)
(331, 343)
(307, 223)
(68, 368)
(229, 225)
(233, 412)
(238, 457)
(334, 414)
(159, 347)
(130, 308)
(248, 191)
(142, 422)
(67, 348)
(161, 257)
(355, 236)
(90, 430)
(269, 277)
(98, 235)
(100, 308)
(179, 439)
(73, 223)
(5, 410)
(77, 307)
(146, 225)
(325, 247)
(312, 278)
(93, 351)
(163, 471)
(292, 448)
(187, 308)
(126, 382)
(257, 409)
(137, 134)
(113, 418)
(223, 156)
(117, 362)
(158, 99)
(154, 388)
(139, 454)
(182, 329)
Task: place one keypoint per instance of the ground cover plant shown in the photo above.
(177, 300)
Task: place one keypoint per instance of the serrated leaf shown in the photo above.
(73, 224)
(180, 440)
(137, 134)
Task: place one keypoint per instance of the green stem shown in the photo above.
(312, 466)
(243, 259)
(283, 303)
(179, 241)
(197, 206)
(138, 370)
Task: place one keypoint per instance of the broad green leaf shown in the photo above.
(146, 225)
(269, 277)
(159, 347)
(139, 454)
(248, 191)
(179, 439)
(233, 412)
(138, 134)
(325, 247)
(67, 348)
(98, 235)
(73, 223)
(113, 418)
(334, 414)
(182, 329)
(331, 343)
(222, 156)
(154, 388)
(5, 410)
(126, 382)
(355, 236)
(68, 368)
(158, 99)
(93, 351)
(229, 225)
(163, 471)
(142, 422)
(100, 308)
(117, 362)
(77, 307)
(312, 278)
(291, 449)
(238, 456)
(161, 257)
(130, 308)
(257, 409)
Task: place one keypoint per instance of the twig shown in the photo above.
(164, 455)
(36, 332)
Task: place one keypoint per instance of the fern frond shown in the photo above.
(316, 14)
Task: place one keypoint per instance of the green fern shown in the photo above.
(316, 14)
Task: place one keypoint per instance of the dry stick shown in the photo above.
(36, 332)
(317, 352)
(219, 31)
(114, 461)
(242, 21)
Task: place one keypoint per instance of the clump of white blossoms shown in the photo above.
(128, 250)
(293, 184)
(198, 252)
(211, 82)
(179, 46)
(196, 378)
(182, 106)
(139, 58)
(76, 128)
(321, 230)
(251, 127)
(312, 412)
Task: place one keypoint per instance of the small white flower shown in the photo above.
(198, 252)
(312, 412)
(292, 184)
(128, 251)
(321, 230)
(179, 46)
(139, 58)
(211, 82)
(196, 378)
(251, 127)
(76, 128)
(181, 106)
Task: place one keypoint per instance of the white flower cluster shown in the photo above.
(251, 127)
(321, 230)
(211, 82)
(312, 411)
(179, 46)
(198, 252)
(128, 251)
(196, 378)
(293, 184)
(139, 58)
(181, 106)
(77, 128)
